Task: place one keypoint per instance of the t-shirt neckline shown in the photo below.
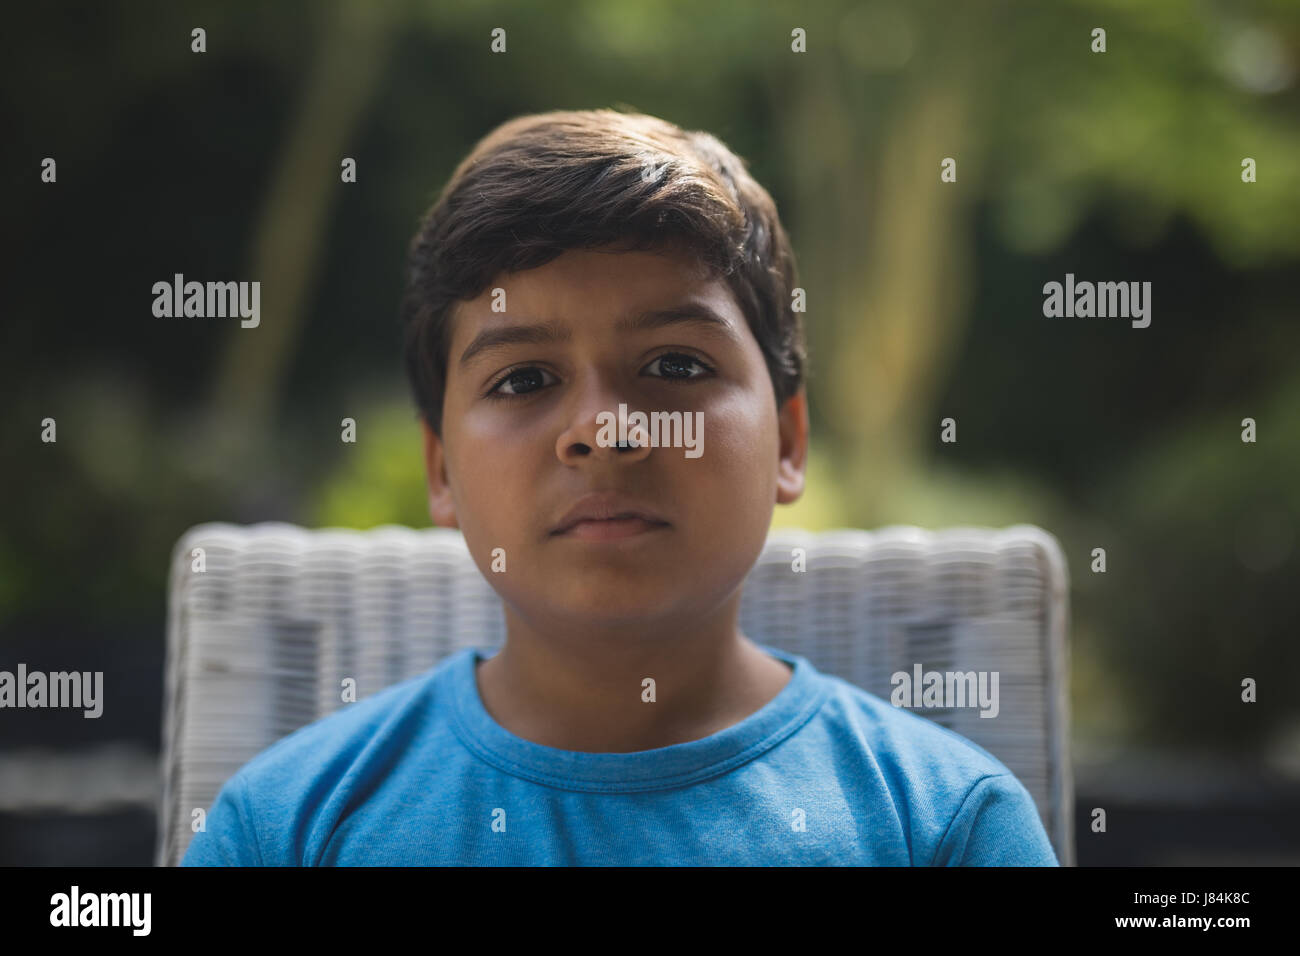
(663, 768)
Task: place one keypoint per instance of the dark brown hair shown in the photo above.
(539, 185)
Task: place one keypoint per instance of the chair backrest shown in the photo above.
(266, 621)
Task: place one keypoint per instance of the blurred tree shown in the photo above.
(292, 224)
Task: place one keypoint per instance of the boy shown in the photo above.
(577, 265)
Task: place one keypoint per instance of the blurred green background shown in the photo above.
(924, 302)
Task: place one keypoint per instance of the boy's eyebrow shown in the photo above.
(547, 333)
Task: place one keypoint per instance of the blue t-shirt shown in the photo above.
(823, 774)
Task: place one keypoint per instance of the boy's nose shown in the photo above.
(598, 428)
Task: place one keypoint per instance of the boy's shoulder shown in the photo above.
(397, 711)
(959, 803)
(339, 744)
(910, 751)
(273, 807)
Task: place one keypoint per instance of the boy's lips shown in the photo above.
(605, 514)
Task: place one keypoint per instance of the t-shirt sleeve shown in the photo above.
(996, 825)
(228, 839)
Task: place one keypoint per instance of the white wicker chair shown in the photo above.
(260, 640)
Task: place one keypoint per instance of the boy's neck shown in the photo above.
(589, 695)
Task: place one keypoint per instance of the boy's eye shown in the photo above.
(527, 379)
(519, 382)
(677, 365)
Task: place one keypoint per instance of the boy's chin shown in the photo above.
(615, 607)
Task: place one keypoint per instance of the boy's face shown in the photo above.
(507, 470)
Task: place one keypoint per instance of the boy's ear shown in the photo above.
(442, 509)
(792, 420)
